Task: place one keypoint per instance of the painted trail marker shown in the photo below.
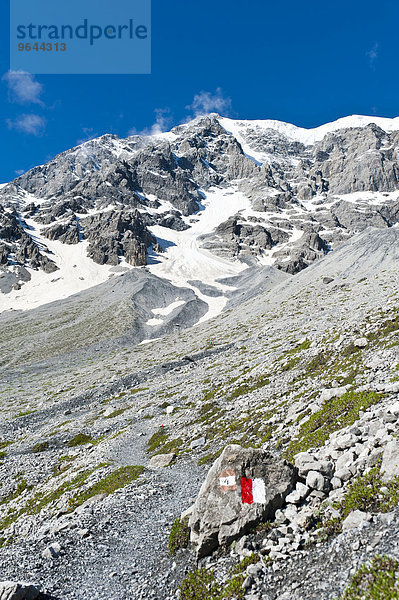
(253, 490)
(227, 481)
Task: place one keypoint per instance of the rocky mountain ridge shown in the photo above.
(280, 196)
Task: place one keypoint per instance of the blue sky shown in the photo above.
(302, 62)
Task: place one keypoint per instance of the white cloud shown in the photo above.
(19, 172)
(163, 122)
(208, 102)
(372, 55)
(23, 87)
(89, 134)
(203, 103)
(29, 124)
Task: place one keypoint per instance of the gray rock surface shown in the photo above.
(260, 373)
(10, 590)
(390, 460)
(16, 245)
(94, 192)
(117, 233)
(223, 510)
(355, 519)
(162, 460)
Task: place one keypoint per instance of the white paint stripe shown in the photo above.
(227, 481)
(259, 491)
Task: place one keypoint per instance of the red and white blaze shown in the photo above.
(253, 490)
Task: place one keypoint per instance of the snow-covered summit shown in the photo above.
(309, 136)
(197, 206)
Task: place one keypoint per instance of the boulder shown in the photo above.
(52, 551)
(315, 481)
(242, 488)
(374, 457)
(329, 393)
(162, 460)
(10, 590)
(304, 519)
(347, 440)
(305, 463)
(355, 519)
(298, 495)
(390, 460)
(198, 443)
(109, 411)
(361, 342)
(343, 474)
(345, 460)
(336, 483)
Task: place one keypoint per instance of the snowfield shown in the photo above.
(301, 134)
(184, 259)
(77, 272)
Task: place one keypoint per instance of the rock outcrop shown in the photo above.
(16, 246)
(298, 193)
(66, 232)
(117, 233)
(10, 590)
(390, 460)
(242, 488)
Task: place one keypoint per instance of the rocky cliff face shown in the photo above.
(19, 253)
(303, 194)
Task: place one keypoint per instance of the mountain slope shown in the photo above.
(163, 297)
(245, 375)
(201, 203)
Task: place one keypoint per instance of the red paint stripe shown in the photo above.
(246, 491)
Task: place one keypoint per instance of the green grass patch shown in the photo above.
(333, 415)
(24, 413)
(40, 447)
(377, 580)
(170, 446)
(318, 363)
(368, 493)
(116, 413)
(79, 440)
(20, 488)
(249, 386)
(387, 327)
(242, 565)
(159, 438)
(291, 364)
(209, 458)
(179, 536)
(38, 501)
(208, 412)
(5, 444)
(108, 485)
(350, 349)
(201, 584)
